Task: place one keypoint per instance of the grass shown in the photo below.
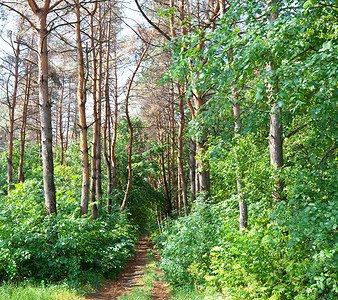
(26, 291)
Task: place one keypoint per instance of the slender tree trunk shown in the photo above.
(93, 178)
(106, 125)
(172, 148)
(75, 121)
(81, 101)
(166, 188)
(67, 129)
(179, 193)
(114, 121)
(21, 177)
(180, 152)
(12, 106)
(99, 107)
(243, 210)
(193, 170)
(45, 111)
(276, 130)
(60, 122)
(131, 132)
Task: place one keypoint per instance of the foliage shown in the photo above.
(289, 249)
(62, 247)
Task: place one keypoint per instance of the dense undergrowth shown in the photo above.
(269, 261)
(288, 251)
(64, 247)
(48, 254)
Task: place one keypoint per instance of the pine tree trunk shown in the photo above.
(114, 121)
(81, 101)
(99, 107)
(106, 126)
(93, 178)
(60, 122)
(180, 153)
(12, 116)
(174, 179)
(21, 177)
(45, 109)
(68, 123)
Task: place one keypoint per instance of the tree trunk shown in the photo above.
(193, 170)
(166, 188)
(81, 101)
(12, 115)
(172, 148)
(180, 152)
(21, 177)
(131, 132)
(114, 121)
(93, 178)
(276, 130)
(68, 123)
(106, 125)
(243, 210)
(99, 107)
(45, 112)
(60, 122)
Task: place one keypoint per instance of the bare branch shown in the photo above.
(21, 14)
(152, 23)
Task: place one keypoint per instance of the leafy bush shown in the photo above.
(62, 247)
(278, 257)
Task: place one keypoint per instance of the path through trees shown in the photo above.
(132, 275)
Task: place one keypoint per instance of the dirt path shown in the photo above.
(131, 276)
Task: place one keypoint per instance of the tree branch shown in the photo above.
(21, 14)
(151, 22)
(33, 5)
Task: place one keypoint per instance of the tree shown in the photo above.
(12, 105)
(276, 129)
(40, 14)
(81, 102)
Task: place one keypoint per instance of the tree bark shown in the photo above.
(81, 101)
(60, 122)
(174, 178)
(99, 107)
(106, 125)
(180, 152)
(276, 130)
(21, 177)
(12, 106)
(114, 121)
(93, 178)
(243, 209)
(45, 107)
(67, 129)
(192, 170)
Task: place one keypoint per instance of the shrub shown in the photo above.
(61, 247)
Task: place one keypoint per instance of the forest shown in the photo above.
(207, 126)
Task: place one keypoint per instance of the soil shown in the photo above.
(131, 276)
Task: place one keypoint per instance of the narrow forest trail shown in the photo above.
(132, 276)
